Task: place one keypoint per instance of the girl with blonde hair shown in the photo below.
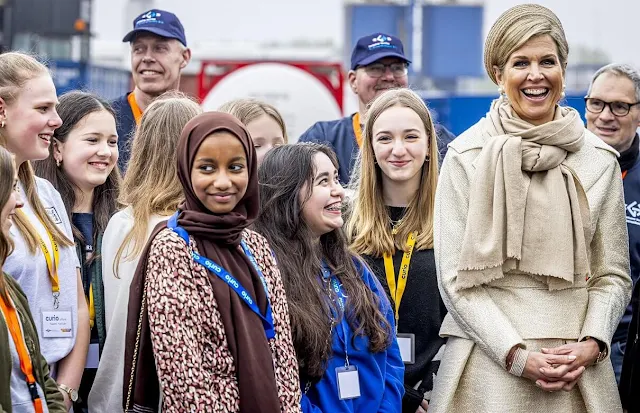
(263, 121)
(391, 226)
(151, 192)
(530, 240)
(44, 260)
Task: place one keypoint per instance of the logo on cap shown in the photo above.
(149, 17)
(381, 41)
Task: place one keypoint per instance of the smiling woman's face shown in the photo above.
(219, 175)
(533, 80)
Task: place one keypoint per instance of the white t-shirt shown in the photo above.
(30, 271)
(106, 392)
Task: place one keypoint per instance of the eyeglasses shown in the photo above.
(617, 108)
(376, 70)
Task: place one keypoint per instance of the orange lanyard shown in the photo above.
(137, 113)
(357, 129)
(13, 323)
(624, 174)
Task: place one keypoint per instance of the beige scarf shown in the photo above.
(527, 210)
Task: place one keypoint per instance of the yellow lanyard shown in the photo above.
(52, 262)
(398, 292)
(357, 129)
(92, 308)
(135, 109)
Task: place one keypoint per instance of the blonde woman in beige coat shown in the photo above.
(530, 241)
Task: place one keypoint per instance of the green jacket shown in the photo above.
(54, 399)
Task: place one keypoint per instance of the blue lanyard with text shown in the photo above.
(335, 286)
(267, 319)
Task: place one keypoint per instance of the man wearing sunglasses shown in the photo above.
(378, 63)
(613, 114)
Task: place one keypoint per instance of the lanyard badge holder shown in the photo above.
(232, 282)
(347, 377)
(406, 341)
(58, 322)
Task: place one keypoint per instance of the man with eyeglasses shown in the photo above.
(613, 114)
(378, 63)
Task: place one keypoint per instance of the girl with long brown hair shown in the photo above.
(151, 192)
(25, 383)
(44, 260)
(342, 322)
(82, 165)
(391, 226)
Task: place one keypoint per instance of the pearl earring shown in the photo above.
(2, 125)
(58, 163)
(500, 90)
(563, 94)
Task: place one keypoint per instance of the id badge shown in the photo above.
(348, 382)
(57, 324)
(93, 356)
(407, 344)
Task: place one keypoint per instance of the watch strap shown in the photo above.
(72, 393)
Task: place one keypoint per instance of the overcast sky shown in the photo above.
(611, 25)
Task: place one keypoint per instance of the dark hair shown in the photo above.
(7, 179)
(73, 107)
(283, 174)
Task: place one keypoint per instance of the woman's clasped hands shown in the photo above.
(560, 368)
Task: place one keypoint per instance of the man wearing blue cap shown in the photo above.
(159, 52)
(378, 63)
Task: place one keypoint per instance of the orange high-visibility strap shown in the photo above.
(357, 129)
(13, 323)
(137, 113)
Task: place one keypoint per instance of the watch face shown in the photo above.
(73, 395)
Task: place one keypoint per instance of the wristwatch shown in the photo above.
(73, 393)
(602, 348)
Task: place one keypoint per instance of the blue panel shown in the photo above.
(452, 41)
(68, 75)
(362, 20)
(106, 82)
(459, 113)
(109, 83)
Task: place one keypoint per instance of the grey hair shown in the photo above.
(619, 69)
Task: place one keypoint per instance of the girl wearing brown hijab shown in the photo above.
(208, 327)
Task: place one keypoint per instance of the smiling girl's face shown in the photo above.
(90, 151)
(219, 175)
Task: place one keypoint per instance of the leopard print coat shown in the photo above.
(195, 367)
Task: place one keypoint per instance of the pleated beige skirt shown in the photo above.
(469, 381)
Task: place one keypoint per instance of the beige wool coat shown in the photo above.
(485, 322)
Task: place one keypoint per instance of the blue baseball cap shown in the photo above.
(374, 47)
(160, 22)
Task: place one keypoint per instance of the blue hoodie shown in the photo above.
(381, 375)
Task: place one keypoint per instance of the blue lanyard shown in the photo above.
(335, 286)
(267, 319)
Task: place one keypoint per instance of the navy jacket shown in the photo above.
(340, 136)
(631, 185)
(126, 126)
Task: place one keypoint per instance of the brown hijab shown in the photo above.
(217, 236)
